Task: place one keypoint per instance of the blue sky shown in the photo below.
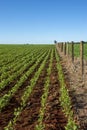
(42, 21)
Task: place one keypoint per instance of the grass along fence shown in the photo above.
(72, 50)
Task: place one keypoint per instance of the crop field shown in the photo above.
(33, 92)
(77, 50)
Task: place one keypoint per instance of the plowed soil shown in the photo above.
(8, 112)
(12, 83)
(29, 115)
(54, 118)
(78, 87)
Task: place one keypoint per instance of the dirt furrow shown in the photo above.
(54, 118)
(29, 115)
(12, 83)
(8, 112)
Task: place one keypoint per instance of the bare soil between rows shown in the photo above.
(77, 88)
(28, 118)
(54, 118)
(7, 113)
(12, 83)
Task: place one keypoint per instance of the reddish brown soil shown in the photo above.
(54, 118)
(29, 115)
(7, 113)
(12, 83)
(77, 88)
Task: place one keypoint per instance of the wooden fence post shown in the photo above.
(72, 51)
(61, 47)
(81, 57)
(64, 48)
(67, 48)
(58, 45)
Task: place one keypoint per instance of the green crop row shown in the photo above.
(6, 98)
(40, 125)
(18, 72)
(15, 65)
(11, 54)
(26, 94)
(28, 55)
(77, 50)
(64, 98)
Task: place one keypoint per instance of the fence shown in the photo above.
(73, 49)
